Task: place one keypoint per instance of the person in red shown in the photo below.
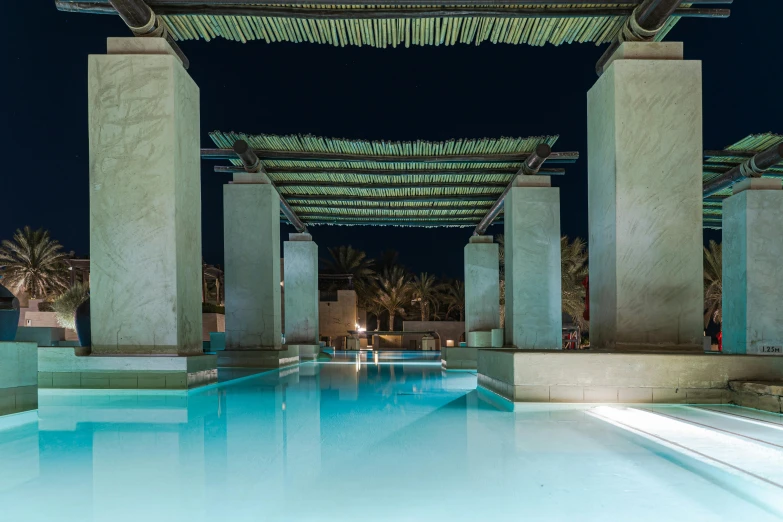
(720, 341)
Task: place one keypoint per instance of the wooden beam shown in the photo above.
(223, 169)
(752, 167)
(650, 15)
(729, 153)
(385, 186)
(253, 164)
(555, 157)
(396, 13)
(475, 205)
(494, 3)
(312, 216)
(398, 199)
(142, 21)
(531, 166)
(411, 223)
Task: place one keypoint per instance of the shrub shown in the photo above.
(65, 306)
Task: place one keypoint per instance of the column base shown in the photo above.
(307, 352)
(611, 377)
(259, 358)
(18, 367)
(461, 357)
(651, 348)
(761, 395)
(18, 399)
(61, 368)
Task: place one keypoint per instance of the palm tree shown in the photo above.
(455, 296)
(713, 283)
(573, 270)
(65, 306)
(425, 291)
(347, 260)
(394, 292)
(33, 261)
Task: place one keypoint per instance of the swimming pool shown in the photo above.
(360, 440)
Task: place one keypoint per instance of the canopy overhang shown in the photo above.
(392, 23)
(416, 184)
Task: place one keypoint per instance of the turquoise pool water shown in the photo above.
(350, 440)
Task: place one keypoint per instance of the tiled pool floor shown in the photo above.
(367, 441)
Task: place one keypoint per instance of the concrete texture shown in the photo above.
(301, 290)
(542, 376)
(532, 256)
(18, 377)
(480, 339)
(482, 285)
(287, 356)
(753, 272)
(762, 395)
(307, 352)
(645, 204)
(60, 368)
(251, 227)
(459, 358)
(145, 203)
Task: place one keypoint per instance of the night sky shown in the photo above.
(432, 93)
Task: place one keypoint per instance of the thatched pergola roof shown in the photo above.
(358, 182)
(719, 162)
(398, 22)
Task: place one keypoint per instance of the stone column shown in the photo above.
(301, 294)
(645, 200)
(752, 268)
(251, 229)
(532, 254)
(145, 201)
(482, 290)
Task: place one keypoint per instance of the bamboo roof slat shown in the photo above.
(417, 190)
(400, 22)
(717, 162)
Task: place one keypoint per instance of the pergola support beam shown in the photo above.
(253, 165)
(530, 167)
(372, 13)
(647, 19)
(143, 22)
(753, 167)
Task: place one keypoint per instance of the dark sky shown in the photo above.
(432, 93)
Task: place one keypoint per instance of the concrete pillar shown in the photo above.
(752, 268)
(301, 294)
(645, 200)
(532, 253)
(145, 201)
(482, 287)
(251, 228)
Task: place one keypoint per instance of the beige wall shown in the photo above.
(45, 319)
(212, 323)
(337, 317)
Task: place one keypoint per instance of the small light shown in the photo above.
(283, 406)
